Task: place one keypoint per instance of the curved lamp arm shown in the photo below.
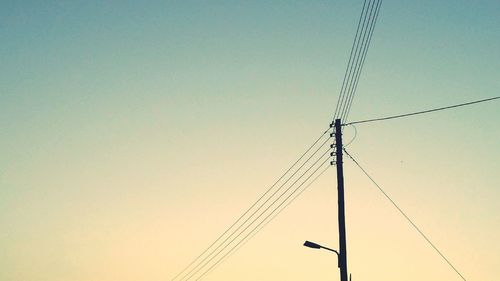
(313, 245)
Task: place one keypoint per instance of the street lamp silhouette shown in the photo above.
(313, 245)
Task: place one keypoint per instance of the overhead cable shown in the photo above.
(406, 216)
(420, 112)
(251, 207)
(213, 253)
(349, 65)
(359, 55)
(359, 49)
(206, 262)
(251, 233)
(273, 217)
(367, 46)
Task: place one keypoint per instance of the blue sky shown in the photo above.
(127, 125)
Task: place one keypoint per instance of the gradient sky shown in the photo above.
(133, 133)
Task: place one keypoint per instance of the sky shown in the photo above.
(133, 133)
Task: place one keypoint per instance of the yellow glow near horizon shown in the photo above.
(133, 134)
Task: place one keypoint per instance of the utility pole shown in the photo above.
(340, 194)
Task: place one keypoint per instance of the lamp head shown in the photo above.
(312, 245)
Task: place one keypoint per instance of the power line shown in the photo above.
(360, 53)
(251, 207)
(353, 138)
(197, 268)
(349, 64)
(194, 266)
(406, 216)
(273, 217)
(421, 112)
(262, 222)
(349, 104)
(359, 49)
(204, 262)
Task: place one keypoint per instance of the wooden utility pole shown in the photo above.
(340, 193)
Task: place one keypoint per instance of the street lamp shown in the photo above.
(313, 245)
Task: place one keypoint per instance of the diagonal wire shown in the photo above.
(349, 65)
(406, 216)
(421, 112)
(251, 207)
(363, 61)
(267, 222)
(263, 223)
(367, 46)
(195, 270)
(204, 263)
(359, 53)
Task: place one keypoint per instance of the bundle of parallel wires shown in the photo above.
(300, 175)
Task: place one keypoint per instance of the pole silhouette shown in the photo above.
(341, 207)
